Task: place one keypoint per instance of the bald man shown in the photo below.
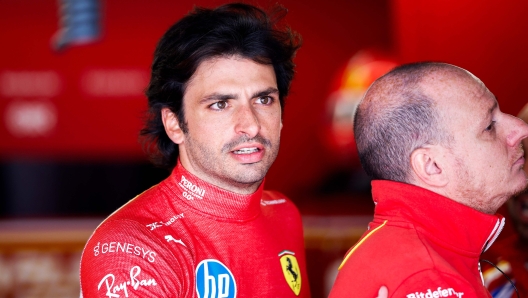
(443, 159)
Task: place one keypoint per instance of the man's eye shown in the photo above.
(219, 105)
(265, 100)
(491, 126)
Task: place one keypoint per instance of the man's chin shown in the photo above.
(249, 178)
(521, 185)
(521, 190)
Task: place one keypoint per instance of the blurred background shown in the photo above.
(72, 75)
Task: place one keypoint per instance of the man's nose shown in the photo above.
(518, 132)
(247, 121)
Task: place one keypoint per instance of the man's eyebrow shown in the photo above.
(218, 97)
(266, 92)
(493, 107)
(221, 96)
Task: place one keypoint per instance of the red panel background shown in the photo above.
(105, 127)
(486, 37)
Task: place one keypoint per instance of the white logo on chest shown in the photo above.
(192, 190)
(135, 282)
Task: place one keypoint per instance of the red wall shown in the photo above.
(92, 106)
(488, 38)
(88, 119)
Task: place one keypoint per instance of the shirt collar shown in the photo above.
(441, 218)
(212, 200)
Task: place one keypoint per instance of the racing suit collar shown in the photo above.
(449, 222)
(212, 200)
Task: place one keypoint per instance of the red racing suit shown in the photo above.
(511, 256)
(187, 238)
(420, 245)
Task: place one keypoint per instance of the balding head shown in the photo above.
(396, 116)
(437, 126)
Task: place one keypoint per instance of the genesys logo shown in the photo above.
(214, 280)
(439, 292)
(191, 190)
(123, 247)
(113, 288)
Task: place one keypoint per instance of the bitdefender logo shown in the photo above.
(449, 292)
(214, 280)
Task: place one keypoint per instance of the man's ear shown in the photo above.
(427, 166)
(172, 126)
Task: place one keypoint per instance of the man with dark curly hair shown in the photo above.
(216, 95)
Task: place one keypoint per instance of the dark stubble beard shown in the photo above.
(204, 159)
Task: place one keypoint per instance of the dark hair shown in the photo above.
(395, 118)
(231, 29)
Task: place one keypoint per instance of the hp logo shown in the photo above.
(214, 280)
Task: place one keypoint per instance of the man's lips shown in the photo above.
(520, 160)
(248, 153)
(247, 148)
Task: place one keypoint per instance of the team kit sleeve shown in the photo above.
(434, 284)
(122, 259)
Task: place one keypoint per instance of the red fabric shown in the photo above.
(511, 255)
(154, 245)
(429, 246)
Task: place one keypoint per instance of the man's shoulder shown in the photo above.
(396, 255)
(123, 255)
(118, 231)
(131, 247)
(139, 217)
(398, 246)
(385, 253)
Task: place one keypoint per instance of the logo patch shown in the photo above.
(214, 280)
(291, 270)
(440, 292)
(169, 238)
(133, 284)
(192, 190)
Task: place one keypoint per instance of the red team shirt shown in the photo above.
(420, 245)
(187, 238)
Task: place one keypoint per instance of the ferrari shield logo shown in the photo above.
(291, 270)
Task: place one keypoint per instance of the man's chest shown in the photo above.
(249, 258)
